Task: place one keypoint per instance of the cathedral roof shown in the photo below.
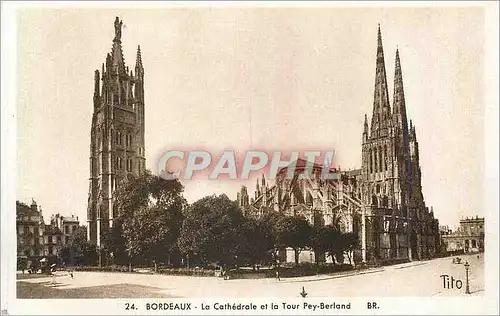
(301, 165)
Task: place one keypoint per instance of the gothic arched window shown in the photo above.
(380, 159)
(375, 160)
(309, 198)
(386, 158)
(370, 161)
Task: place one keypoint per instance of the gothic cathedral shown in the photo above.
(117, 134)
(382, 202)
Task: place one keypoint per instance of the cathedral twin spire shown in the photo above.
(382, 118)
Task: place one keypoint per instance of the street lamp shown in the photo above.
(467, 291)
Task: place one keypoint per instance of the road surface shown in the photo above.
(418, 278)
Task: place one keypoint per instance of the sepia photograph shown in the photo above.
(215, 158)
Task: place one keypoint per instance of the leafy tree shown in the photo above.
(257, 241)
(84, 251)
(348, 242)
(211, 231)
(64, 253)
(294, 232)
(270, 228)
(327, 239)
(113, 249)
(150, 215)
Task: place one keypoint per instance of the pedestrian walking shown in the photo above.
(53, 272)
(277, 274)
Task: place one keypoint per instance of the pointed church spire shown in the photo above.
(365, 131)
(399, 103)
(381, 107)
(96, 83)
(138, 61)
(139, 69)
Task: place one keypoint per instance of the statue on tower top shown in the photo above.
(118, 29)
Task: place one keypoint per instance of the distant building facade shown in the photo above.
(117, 144)
(37, 239)
(382, 202)
(30, 229)
(66, 224)
(468, 238)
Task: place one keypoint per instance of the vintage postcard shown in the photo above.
(249, 158)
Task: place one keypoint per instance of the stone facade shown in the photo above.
(469, 237)
(66, 224)
(30, 229)
(37, 239)
(117, 134)
(382, 201)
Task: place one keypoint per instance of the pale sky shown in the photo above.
(252, 78)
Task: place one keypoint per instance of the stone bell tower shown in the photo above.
(116, 134)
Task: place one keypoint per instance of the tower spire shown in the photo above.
(381, 107)
(139, 69)
(365, 131)
(96, 84)
(399, 103)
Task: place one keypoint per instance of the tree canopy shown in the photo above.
(150, 215)
(211, 230)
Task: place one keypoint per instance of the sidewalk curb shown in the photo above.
(331, 277)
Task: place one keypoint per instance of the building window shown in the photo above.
(385, 155)
(119, 138)
(380, 159)
(66, 239)
(369, 161)
(385, 200)
(66, 229)
(74, 226)
(119, 164)
(50, 239)
(129, 140)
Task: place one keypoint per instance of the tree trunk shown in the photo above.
(296, 256)
(333, 258)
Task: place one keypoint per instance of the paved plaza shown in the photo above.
(418, 278)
